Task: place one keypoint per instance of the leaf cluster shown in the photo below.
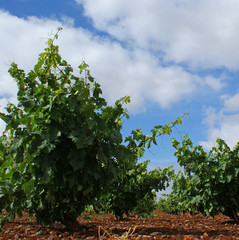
(210, 181)
(63, 150)
(135, 191)
(61, 141)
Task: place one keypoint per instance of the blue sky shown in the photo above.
(171, 57)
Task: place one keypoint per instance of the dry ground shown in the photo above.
(104, 226)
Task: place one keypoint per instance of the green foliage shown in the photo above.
(134, 190)
(177, 201)
(211, 181)
(59, 141)
(62, 148)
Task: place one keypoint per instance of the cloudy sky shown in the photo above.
(171, 57)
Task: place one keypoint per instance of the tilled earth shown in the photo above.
(104, 226)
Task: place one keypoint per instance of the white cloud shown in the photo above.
(68, 21)
(215, 83)
(223, 124)
(231, 103)
(200, 33)
(120, 71)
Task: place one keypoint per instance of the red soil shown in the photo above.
(162, 226)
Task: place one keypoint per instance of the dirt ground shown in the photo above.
(104, 226)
